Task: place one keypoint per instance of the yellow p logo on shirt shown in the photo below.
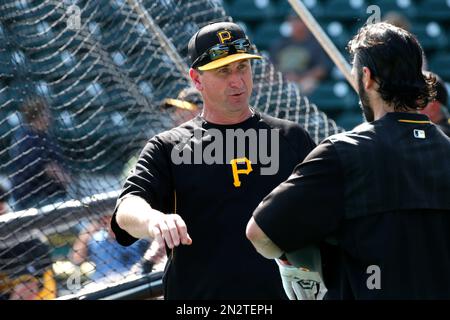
(237, 172)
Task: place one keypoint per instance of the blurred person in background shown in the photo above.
(300, 57)
(37, 175)
(397, 19)
(97, 246)
(186, 106)
(4, 196)
(437, 110)
(25, 264)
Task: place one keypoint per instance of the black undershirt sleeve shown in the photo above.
(149, 180)
(309, 205)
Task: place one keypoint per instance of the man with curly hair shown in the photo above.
(378, 193)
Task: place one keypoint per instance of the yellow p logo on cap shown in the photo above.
(224, 36)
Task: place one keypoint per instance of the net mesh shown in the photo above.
(82, 83)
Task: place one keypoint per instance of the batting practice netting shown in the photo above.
(81, 88)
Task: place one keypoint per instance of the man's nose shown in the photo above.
(236, 80)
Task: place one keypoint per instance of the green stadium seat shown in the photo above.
(7, 68)
(5, 138)
(440, 64)
(251, 10)
(405, 7)
(25, 34)
(333, 96)
(345, 10)
(283, 8)
(266, 34)
(434, 10)
(431, 35)
(101, 10)
(350, 119)
(338, 34)
(4, 42)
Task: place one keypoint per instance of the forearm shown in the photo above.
(261, 242)
(80, 248)
(267, 249)
(134, 215)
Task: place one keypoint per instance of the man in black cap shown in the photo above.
(437, 110)
(186, 106)
(379, 193)
(194, 187)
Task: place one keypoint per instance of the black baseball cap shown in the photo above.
(219, 33)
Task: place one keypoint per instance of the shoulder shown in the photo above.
(360, 133)
(286, 126)
(290, 130)
(176, 135)
(297, 138)
(325, 150)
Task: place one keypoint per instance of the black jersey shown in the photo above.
(381, 192)
(214, 185)
(444, 125)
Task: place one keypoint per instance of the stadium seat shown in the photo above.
(282, 8)
(251, 10)
(35, 35)
(434, 10)
(125, 41)
(266, 34)
(345, 10)
(440, 64)
(350, 119)
(101, 10)
(47, 65)
(7, 104)
(405, 7)
(338, 34)
(333, 96)
(4, 43)
(5, 138)
(7, 68)
(431, 35)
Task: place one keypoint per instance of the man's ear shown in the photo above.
(367, 78)
(196, 80)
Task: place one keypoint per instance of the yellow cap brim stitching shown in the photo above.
(227, 60)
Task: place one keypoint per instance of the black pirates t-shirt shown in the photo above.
(381, 193)
(214, 176)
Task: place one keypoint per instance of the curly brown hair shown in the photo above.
(395, 58)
